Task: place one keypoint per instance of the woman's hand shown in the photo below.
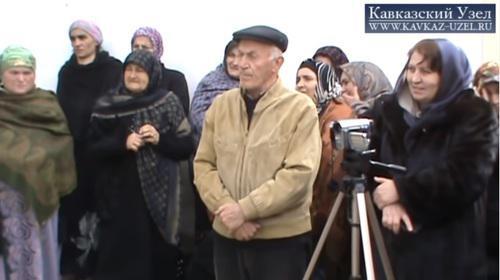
(392, 215)
(149, 134)
(134, 142)
(385, 193)
(351, 97)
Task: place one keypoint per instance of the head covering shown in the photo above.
(327, 88)
(14, 56)
(229, 47)
(155, 38)
(336, 55)
(371, 83)
(91, 28)
(487, 73)
(369, 78)
(456, 76)
(149, 63)
(264, 34)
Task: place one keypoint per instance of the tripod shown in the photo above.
(361, 205)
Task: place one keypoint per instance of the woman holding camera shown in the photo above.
(447, 139)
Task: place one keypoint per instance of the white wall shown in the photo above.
(195, 32)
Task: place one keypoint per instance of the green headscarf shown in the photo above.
(14, 56)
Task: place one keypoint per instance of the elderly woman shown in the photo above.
(148, 38)
(139, 134)
(36, 170)
(363, 82)
(317, 80)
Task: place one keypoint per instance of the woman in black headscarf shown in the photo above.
(139, 134)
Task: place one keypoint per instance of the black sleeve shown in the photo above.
(178, 84)
(176, 147)
(176, 143)
(106, 139)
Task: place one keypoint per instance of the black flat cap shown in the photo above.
(265, 34)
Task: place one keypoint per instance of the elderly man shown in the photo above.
(255, 166)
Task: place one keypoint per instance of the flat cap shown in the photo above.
(265, 34)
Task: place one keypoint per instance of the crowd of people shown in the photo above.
(97, 178)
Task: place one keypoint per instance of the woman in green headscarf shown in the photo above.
(36, 169)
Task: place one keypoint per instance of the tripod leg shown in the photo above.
(365, 236)
(322, 238)
(355, 238)
(379, 241)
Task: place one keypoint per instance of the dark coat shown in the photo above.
(130, 244)
(449, 156)
(173, 80)
(78, 88)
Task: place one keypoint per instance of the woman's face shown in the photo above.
(136, 78)
(143, 43)
(84, 46)
(349, 88)
(306, 82)
(423, 82)
(18, 80)
(232, 67)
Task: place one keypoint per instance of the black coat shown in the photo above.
(78, 88)
(449, 156)
(130, 244)
(173, 80)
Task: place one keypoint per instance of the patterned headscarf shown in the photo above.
(149, 63)
(336, 55)
(487, 73)
(14, 56)
(327, 87)
(155, 38)
(369, 78)
(91, 28)
(371, 83)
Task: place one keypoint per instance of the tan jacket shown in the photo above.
(268, 168)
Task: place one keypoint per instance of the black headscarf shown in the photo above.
(122, 99)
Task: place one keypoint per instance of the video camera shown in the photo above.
(351, 134)
(354, 135)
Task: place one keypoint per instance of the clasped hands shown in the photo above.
(386, 198)
(146, 134)
(233, 218)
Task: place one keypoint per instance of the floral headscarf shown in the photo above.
(155, 38)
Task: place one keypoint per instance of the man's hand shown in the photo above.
(134, 142)
(231, 215)
(246, 231)
(149, 134)
(392, 215)
(385, 193)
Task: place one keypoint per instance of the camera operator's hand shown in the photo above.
(354, 163)
(392, 215)
(385, 193)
